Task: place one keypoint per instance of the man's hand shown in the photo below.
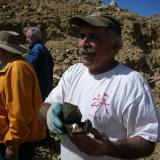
(11, 154)
(54, 122)
(154, 79)
(89, 144)
(100, 145)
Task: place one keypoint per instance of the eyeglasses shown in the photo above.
(92, 36)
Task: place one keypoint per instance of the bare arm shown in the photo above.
(43, 112)
(133, 148)
(127, 149)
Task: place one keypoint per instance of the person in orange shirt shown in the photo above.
(20, 99)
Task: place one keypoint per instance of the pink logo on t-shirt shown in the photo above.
(100, 101)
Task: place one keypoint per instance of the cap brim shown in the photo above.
(93, 21)
(16, 50)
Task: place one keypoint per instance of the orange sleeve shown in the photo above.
(19, 103)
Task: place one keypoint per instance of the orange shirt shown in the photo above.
(20, 99)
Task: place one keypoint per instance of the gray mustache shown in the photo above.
(86, 51)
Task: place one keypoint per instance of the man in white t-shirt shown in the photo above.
(116, 99)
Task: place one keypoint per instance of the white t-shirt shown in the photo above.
(118, 103)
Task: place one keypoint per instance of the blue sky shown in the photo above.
(141, 7)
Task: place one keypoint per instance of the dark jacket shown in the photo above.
(42, 61)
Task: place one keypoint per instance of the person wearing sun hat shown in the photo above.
(20, 99)
(116, 99)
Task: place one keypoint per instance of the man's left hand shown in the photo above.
(89, 144)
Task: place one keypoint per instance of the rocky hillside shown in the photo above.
(141, 35)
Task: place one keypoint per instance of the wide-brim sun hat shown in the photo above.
(97, 19)
(10, 41)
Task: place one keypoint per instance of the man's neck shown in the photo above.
(104, 69)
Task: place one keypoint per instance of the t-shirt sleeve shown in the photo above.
(59, 93)
(140, 116)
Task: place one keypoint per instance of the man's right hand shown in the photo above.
(54, 122)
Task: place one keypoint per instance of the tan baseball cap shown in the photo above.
(97, 19)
